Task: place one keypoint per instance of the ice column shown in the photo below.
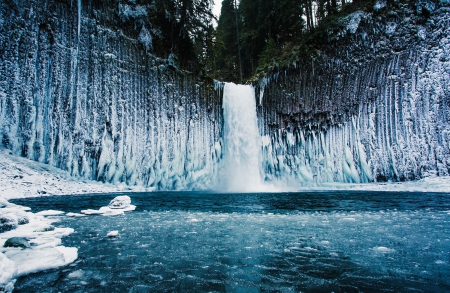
(241, 169)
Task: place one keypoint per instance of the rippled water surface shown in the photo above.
(294, 242)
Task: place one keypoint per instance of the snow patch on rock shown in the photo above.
(379, 5)
(352, 21)
(132, 11)
(146, 38)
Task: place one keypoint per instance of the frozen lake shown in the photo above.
(261, 242)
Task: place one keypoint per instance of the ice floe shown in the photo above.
(117, 206)
(113, 233)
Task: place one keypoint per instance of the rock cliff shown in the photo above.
(373, 105)
(79, 90)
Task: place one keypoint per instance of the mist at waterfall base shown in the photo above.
(254, 242)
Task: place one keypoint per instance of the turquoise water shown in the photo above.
(283, 242)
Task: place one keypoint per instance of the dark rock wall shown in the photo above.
(372, 106)
(80, 92)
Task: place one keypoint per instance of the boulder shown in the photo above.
(10, 218)
(17, 242)
(120, 202)
(8, 221)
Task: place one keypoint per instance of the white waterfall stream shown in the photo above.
(241, 169)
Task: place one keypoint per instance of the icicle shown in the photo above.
(79, 19)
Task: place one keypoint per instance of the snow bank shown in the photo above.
(20, 177)
(45, 250)
(8, 273)
(430, 184)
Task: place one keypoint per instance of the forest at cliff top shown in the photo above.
(252, 37)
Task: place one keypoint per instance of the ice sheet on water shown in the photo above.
(41, 259)
(50, 213)
(75, 215)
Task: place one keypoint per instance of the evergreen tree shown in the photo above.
(182, 28)
(271, 32)
(227, 60)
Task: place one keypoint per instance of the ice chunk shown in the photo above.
(3, 203)
(91, 212)
(50, 213)
(106, 211)
(383, 249)
(113, 233)
(78, 274)
(35, 260)
(11, 217)
(75, 215)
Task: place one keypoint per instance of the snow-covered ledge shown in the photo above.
(20, 177)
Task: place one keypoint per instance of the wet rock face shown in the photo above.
(80, 91)
(373, 106)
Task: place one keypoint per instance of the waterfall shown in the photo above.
(241, 169)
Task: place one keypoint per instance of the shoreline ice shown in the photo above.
(41, 243)
(23, 178)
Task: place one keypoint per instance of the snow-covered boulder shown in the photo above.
(17, 242)
(120, 202)
(117, 206)
(10, 218)
(8, 221)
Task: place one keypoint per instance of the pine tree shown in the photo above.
(227, 62)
